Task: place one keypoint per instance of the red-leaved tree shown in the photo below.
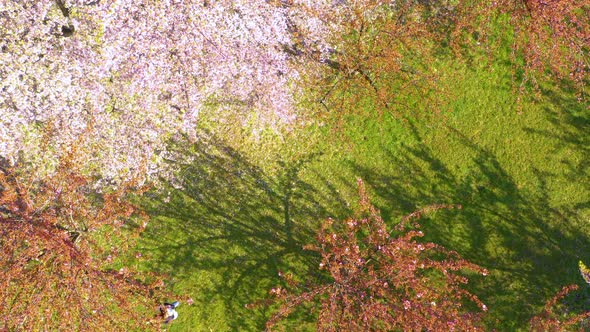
(56, 237)
(552, 318)
(382, 280)
(549, 37)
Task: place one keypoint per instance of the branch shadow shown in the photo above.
(530, 246)
(571, 128)
(228, 232)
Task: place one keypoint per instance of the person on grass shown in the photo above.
(168, 311)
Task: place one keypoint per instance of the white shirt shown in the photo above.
(171, 312)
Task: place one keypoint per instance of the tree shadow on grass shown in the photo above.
(570, 130)
(227, 233)
(530, 246)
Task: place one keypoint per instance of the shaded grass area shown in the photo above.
(530, 245)
(520, 171)
(228, 233)
(521, 177)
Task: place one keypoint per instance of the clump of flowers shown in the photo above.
(134, 74)
(382, 281)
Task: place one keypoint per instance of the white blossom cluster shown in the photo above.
(118, 78)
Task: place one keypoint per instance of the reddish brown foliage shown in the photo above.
(383, 282)
(52, 275)
(550, 320)
(383, 52)
(389, 48)
(551, 36)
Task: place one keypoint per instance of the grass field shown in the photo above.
(521, 172)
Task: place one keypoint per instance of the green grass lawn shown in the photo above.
(521, 172)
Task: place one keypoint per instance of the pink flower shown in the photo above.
(407, 305)
(145, 78)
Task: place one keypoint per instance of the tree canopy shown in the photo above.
(96, 96)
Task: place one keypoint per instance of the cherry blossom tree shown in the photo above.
(383, 50)
(133, 74)
(383, 281)
(56, 243)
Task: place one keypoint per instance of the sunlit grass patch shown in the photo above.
(518, 169)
